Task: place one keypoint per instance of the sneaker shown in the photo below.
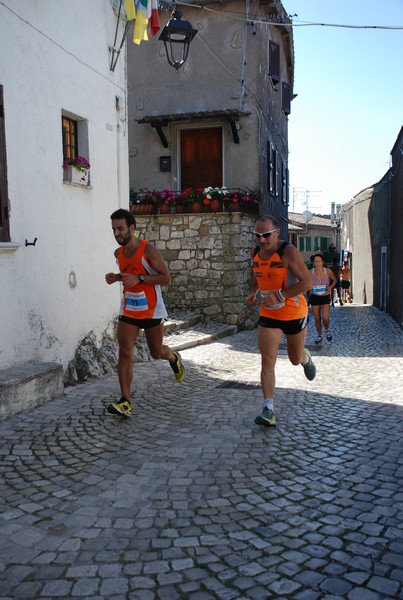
(266, 418)
(329, 336)
(309, 368)
(341, 303)
(318, 340)
(178, 368)
(123, 407)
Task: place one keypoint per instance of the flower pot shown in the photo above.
(215, 206)
(150, 209)
(234, 207)
(75, 175)
(165, 209)
(143, 209)
(180, 208)
(196, 207)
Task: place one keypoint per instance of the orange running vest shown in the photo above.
(271, 275)
(142, 301)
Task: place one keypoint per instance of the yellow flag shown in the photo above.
(130, 10)
(140, 27)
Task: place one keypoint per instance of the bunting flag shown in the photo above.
(130, 9)
(153, 17)
(140, 26)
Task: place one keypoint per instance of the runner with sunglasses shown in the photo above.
(280, 279)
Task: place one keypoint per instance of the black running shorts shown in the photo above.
(316, 300)
(142, 323)
(288, 327)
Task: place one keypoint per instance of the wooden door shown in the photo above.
(201, 158)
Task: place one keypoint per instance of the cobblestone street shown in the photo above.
(189, 499)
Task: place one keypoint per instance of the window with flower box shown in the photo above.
(75, 145)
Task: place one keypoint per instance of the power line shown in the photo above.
(284, 20)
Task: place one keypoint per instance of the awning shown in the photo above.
(158, 121)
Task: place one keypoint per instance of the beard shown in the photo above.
(124, 241)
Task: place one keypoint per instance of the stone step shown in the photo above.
(28, 385)
(185, 330)
(181, 321)
(201, 333)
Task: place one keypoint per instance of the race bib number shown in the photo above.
(136, 301)
(319, 290)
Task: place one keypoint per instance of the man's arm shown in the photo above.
(293, 260)
(251, 299)
(159, 265)
(113, 277)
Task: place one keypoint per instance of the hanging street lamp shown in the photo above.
(177, 35)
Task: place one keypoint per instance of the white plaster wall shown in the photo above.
(58, 59)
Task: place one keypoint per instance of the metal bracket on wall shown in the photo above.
(158, 125)
(234, 129)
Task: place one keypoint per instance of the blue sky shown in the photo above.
(349, 109)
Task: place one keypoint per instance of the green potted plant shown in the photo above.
(167, 201)
(215, 197)
(143, 201)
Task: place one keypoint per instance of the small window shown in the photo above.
(305, 244)
(70, 141)
(284, 182)
(273, 169)
(274, 62)
(4, 218)
(75, 143)
(275, 162)
(286, 97)
(269, 168)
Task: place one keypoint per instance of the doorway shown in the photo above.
(201, 158)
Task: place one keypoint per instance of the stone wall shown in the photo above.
(208, 257)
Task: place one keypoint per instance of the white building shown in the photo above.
(55, 79)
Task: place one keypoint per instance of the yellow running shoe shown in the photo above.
(123, 407)
(178, 368)
(266, 418)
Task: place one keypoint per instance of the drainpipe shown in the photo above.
(245, 35)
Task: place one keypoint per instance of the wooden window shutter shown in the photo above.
(286, 97)
(274, 61)
(4, 219)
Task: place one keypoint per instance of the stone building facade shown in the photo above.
(373, 242)
(209, 259)
(222, 119)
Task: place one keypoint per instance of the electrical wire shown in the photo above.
(285, 21)
(61, 47)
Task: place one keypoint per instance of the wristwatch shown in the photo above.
(141, 278)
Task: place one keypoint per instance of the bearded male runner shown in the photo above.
(142, 270)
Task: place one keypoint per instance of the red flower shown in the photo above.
(206, 201)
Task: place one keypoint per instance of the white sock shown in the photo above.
(306, 361)
(269, 403)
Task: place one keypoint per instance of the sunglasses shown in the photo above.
(265, 234)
